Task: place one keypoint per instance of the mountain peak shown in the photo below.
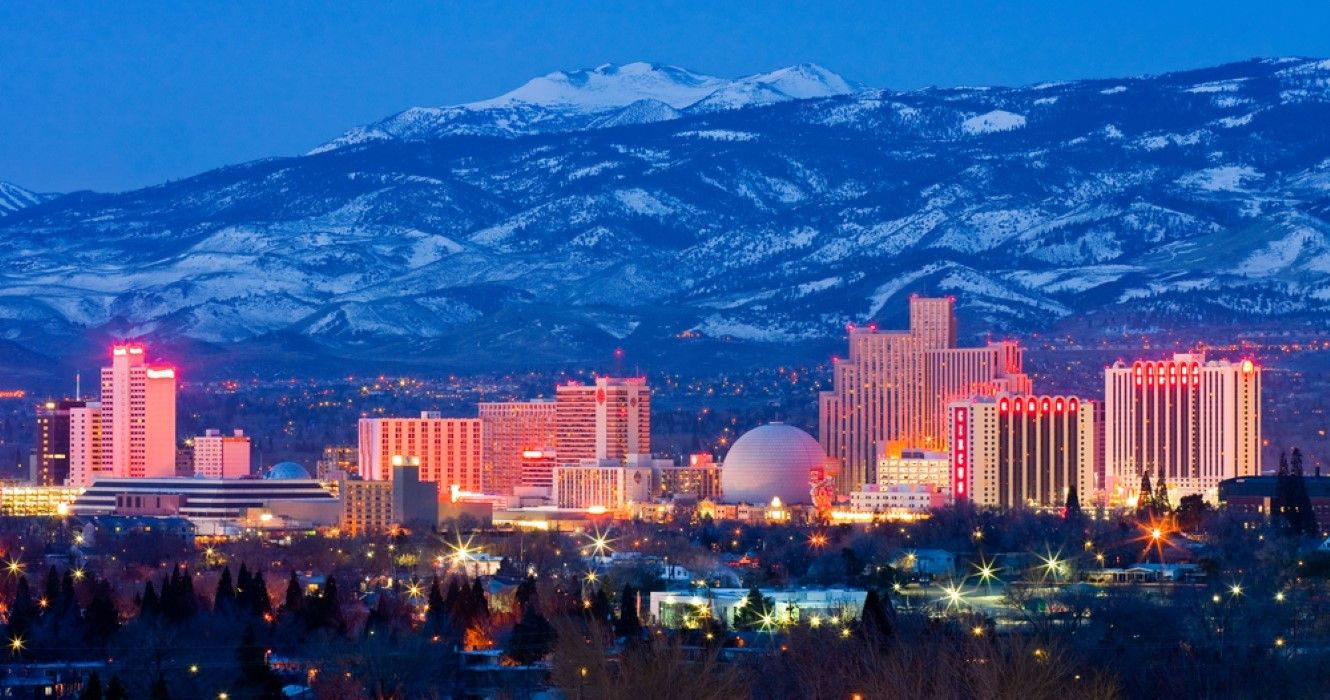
(14, 198)
(610, 85)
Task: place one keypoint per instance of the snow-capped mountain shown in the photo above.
(1200, 197)
(605, 96)
(13, 198)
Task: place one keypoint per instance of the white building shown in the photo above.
(218, 456)
(914, 467)
(813, 606)
(1195, 422)
(898, 499)
(608, 485)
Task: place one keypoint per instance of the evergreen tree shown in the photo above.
(1073, 511)
(1145, 497)
(224, 600)
(115, 690)
(1282, 501)
(478, 604)
(753, 610)
(159, 691)
(101, 618)
(52, 589)
(256, 679)
(875, 622)
(92, 690)
(600, 606)
(149, 605)
(532, 639)
(629, 624)
(295, 595)
(256, 595)
(526, 592)
(1303, 520)
(23, 611)
(1161, 495)
(435, 608)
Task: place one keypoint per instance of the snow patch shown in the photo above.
(991, 122)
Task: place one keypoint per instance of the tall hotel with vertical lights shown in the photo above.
(131, 432)
(1013, 451)
(608, 420)
(511, 429)
(891, 392)
(1192, 422)
(448, 449)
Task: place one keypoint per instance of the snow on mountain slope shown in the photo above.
(13, 198)
(602, 97)
(642, 219)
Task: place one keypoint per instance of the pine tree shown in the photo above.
(532, 639)
(256, 596)
(436, 608)
(629, 624)
(93, 689)
(875, 622)
(600, 606)
(295, 595)
(1161, 503)
(478, 604)
(1145, 497)
(149, 605)
(754, 611)
(101, 618)
(159, 691)
(1073, 511)
(115, 690)
(23, 611)
(224, 600)
(1303, 520)
(526, 592)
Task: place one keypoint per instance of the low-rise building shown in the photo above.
(813, 606)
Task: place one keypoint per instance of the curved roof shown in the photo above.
(286, 470)
(770, 461)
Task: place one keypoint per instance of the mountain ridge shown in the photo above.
(1182, 200)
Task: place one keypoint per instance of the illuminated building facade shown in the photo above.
(131, 432)
(449, 449)
(1022, 450)
(53, 441)
(336, 458)
(594, 486)
(511, 428)
(699, 478)
(367, 506)
(538, 469)
(898, 499)
(1193, 422)
(892, 390)
(28, 500)
(218, 456)
(915, 467)
(610, 419)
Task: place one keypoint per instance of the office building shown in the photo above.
(53, 441)
(218, 456)
(449, 449)
(512, 428)
(1022, 451)
(892, 390)
(196, 497)
(1189, 421)
(367, 506)
(607, 420)
(898, 500)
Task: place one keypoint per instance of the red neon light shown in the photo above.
(1047, 405)
(961, 453)
(1003, 405)
(1031, 405)
(1072, 404)
(1057, 405)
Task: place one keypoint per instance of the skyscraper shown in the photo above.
(608, 420)
(449, 449)
(1018, 451)
(891, 392)
(1189, 421)
(53, 441)
(131, 432)
(511, 428)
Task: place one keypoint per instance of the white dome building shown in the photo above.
(770, 461)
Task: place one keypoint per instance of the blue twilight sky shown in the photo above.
(116, 95)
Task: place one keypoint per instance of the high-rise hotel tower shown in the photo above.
(1193, 422)
(608, 420)
(891, 392)
(130, 433)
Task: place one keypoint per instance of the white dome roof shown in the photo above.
(771, 460)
